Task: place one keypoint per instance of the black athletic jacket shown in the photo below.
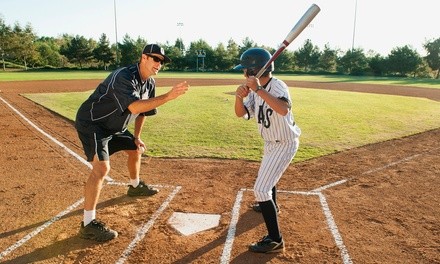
(107, 107)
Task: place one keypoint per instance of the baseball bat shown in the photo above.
(308, 16)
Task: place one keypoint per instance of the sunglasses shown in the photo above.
(156, 59)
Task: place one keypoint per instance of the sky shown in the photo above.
(377, 25)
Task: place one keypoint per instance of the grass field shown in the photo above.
(69, 75)
(202, 123)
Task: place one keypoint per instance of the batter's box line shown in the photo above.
(143, 230)
(330, 185)
(110, 181)
(324, 205)
(139, 235)
(226, 254)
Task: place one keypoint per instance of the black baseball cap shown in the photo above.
(154, 49)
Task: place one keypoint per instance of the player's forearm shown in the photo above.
(138, 124)
(240, 110)
(278, 105)
(145, 105)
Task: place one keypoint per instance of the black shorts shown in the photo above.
(104, 144)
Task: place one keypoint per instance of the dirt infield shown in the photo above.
(375, 204)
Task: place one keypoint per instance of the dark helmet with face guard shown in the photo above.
(253, 60)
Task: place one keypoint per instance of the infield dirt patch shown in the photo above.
(379, 203)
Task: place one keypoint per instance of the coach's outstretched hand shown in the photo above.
(178, 90)
(144, 105)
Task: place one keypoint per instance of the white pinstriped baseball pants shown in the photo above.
(276, 159)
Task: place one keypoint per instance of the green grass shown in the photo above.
(202, 123)
(69, 75)
(51, 75)
(334, 121)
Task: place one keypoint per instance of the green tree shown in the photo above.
(181, 46)
(176, 53)
(131, 50)
(285, 61)
(233, 54)
(404, 60)
(246, 44)
(21, 45)
(378, 64)
(103, 52)
(307, 57)
(194, 56)
(219, 55)
(353, 62)
(328, 59)
(49, 52)
(78, 50)
(433, 58)
(5, 35)
(225, 58)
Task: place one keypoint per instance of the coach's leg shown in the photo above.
(137, 187)
(134, 165)
(94, 183)
(91, 228)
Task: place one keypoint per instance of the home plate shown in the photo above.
(189, 223)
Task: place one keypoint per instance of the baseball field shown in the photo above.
(367, 197)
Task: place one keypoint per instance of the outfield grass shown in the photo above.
(69, 75)
(202, 123)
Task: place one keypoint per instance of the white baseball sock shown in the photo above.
(134, 182)
(89, 216)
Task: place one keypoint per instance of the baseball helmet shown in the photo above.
(254, 59)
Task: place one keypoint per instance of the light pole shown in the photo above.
(116, 34)
(180, 24)
(354, 24)
(200, 54)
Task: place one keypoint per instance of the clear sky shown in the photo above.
(381, 25)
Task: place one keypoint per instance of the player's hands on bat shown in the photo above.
(242, 91)
(252, 82)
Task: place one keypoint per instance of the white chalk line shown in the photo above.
(48, 136)
(334, 229)
(322, 188)
(235, 211)
(227, 249)
(144, 229)
(391, 164)
(225, 257)
(80, 201)
(40, 228)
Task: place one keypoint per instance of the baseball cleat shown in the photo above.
(97, 231)
(267, 245)
(141, 190)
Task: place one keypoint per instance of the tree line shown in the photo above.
(20, 47)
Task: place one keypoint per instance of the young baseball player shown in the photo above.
(126, 95)
(267, 99)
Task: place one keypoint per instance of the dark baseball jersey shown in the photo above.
(107, 106)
